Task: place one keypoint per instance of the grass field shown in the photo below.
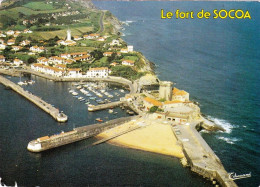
(39, 6)
(14, 12)
(60, 33)
(133, 58)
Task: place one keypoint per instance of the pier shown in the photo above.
(200, 157)
(54, 112)
(104, 106)
(77, 134)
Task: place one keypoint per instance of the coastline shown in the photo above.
(146, 138)
(127, 140)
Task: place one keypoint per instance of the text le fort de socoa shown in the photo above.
(203, 14)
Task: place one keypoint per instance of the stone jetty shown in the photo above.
(54, 112)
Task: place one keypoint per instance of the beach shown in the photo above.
(146, 138)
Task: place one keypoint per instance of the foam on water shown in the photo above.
(223, 123)
(229, 140)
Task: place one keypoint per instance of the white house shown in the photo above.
(2, 46)
(101, 39)
(11, 42)
(27, 31)
(18, 62)
(25, 42)
(2, 58)
(16, 48)
(65, 55)
(10, 32)
(77, 38)
(130, 48)
(74, 72)
(128, 63)
(37, 67)
(82, 58)
(36, 49)
(180, 95)
(124, 50)
(115, 42)
(101, 72)
(2, 35)
(42, 60)
(107, 53)
(56, 60)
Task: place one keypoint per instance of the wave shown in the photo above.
(127, 22)
(223, 123)
(229, 140)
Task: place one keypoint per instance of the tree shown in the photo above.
(153, 109)
(31, 60)
(97, 54)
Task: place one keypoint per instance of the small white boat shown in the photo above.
(22, 83)
(75, 93)
(110, 111)
(31, 82)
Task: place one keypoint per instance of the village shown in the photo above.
(59, 65)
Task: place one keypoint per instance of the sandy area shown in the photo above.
(152, 136)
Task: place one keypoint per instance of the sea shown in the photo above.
(215, 60)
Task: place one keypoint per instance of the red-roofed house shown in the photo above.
(128, 63)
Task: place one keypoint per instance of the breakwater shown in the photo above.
(54, 112)
(200, 157)
(104, 106)
(77, 134)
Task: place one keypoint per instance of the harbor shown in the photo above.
(48, 108)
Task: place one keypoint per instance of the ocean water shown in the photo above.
(216, 61)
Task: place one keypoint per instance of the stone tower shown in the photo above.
(68, 35)
(165, 90)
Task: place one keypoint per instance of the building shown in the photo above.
(83, 58)
(2, 46)
(61, 66)
(74, 72)
(115, 42)
(10, 32)
(79, 54)
(124, 50)
(41, 60)
(180, 95)
(101, 39)
(150, 102)
(130, 48)
(128, 63)
(114, 64)
(55, 60)
(11, 42)
(65, 55)
(25, 42)
(36, 49)
(107, 53)
(101, 72)
(165, 90)
(16, 48)
(27, 31)
(2, 58)
(77, 38)
(18, 62)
